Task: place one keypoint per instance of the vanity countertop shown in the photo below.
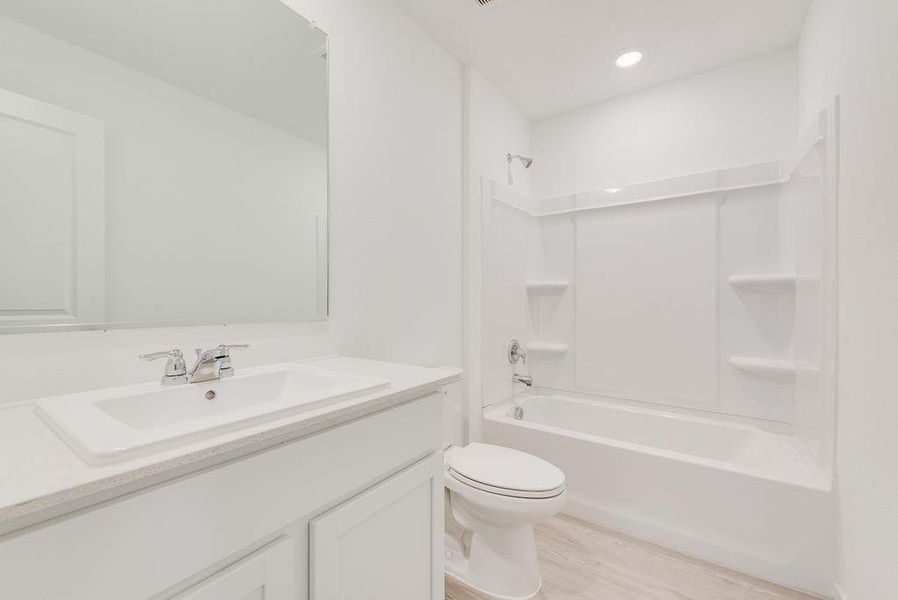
(42, 478)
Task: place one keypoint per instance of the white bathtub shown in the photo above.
(730, 493)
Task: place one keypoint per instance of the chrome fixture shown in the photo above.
(516, 353)
(213, 364)
(525, 379)
(527, 162)
(210, 365)
(175, 368)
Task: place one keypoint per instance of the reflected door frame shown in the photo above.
(81, 296)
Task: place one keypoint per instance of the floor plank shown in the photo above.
(581, 561)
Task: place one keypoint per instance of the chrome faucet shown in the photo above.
(211, 365)
(525, 379)
(518, 354)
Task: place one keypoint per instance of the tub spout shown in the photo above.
(525, 379)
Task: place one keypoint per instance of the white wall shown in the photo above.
(395, 223)
(849, 48)
(732, 116)
(821, 57)
(493, 128)
(395, 184)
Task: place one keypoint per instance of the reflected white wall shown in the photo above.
(210, 213)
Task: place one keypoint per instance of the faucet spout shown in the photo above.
(525, 379)
(214, 364)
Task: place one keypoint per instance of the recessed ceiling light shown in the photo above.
(628, 59)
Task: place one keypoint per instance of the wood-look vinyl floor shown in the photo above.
(581, 561)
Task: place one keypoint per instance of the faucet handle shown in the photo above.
(223, 354)
(222, 350)
(174, 352)
(516, 352)
(175, 368)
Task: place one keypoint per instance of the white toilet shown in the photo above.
(495, 496)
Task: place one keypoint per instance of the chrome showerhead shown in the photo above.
(527, 162)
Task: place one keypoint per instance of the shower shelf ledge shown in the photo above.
(544, 349)
(763, 366)
(547, 287)
(769, 284)
(771, 366)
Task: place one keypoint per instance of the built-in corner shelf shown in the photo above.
(764, 366)
(544, 349)
(547, 287)
(776, 283)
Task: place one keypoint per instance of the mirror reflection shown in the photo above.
(161, 162)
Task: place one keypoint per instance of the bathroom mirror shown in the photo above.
(161, 162)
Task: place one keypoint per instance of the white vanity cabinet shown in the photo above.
(350, 513)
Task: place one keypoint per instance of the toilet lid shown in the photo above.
(505, 471)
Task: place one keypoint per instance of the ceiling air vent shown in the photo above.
(487, 3)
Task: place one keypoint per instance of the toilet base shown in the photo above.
(499, 562)
(461, 580)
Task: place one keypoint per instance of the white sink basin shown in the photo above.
(113, 425)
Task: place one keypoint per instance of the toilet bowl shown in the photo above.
(495, 496)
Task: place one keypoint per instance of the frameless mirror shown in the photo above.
(161, 162)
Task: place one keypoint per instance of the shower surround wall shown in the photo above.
(708, 293)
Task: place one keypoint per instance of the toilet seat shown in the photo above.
(504, 492)
(505, 472)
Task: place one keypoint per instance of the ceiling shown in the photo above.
(551, 56)
(255, 56)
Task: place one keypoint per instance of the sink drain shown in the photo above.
(210, 395)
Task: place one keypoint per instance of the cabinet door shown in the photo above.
(266, 575)
(384, 544)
